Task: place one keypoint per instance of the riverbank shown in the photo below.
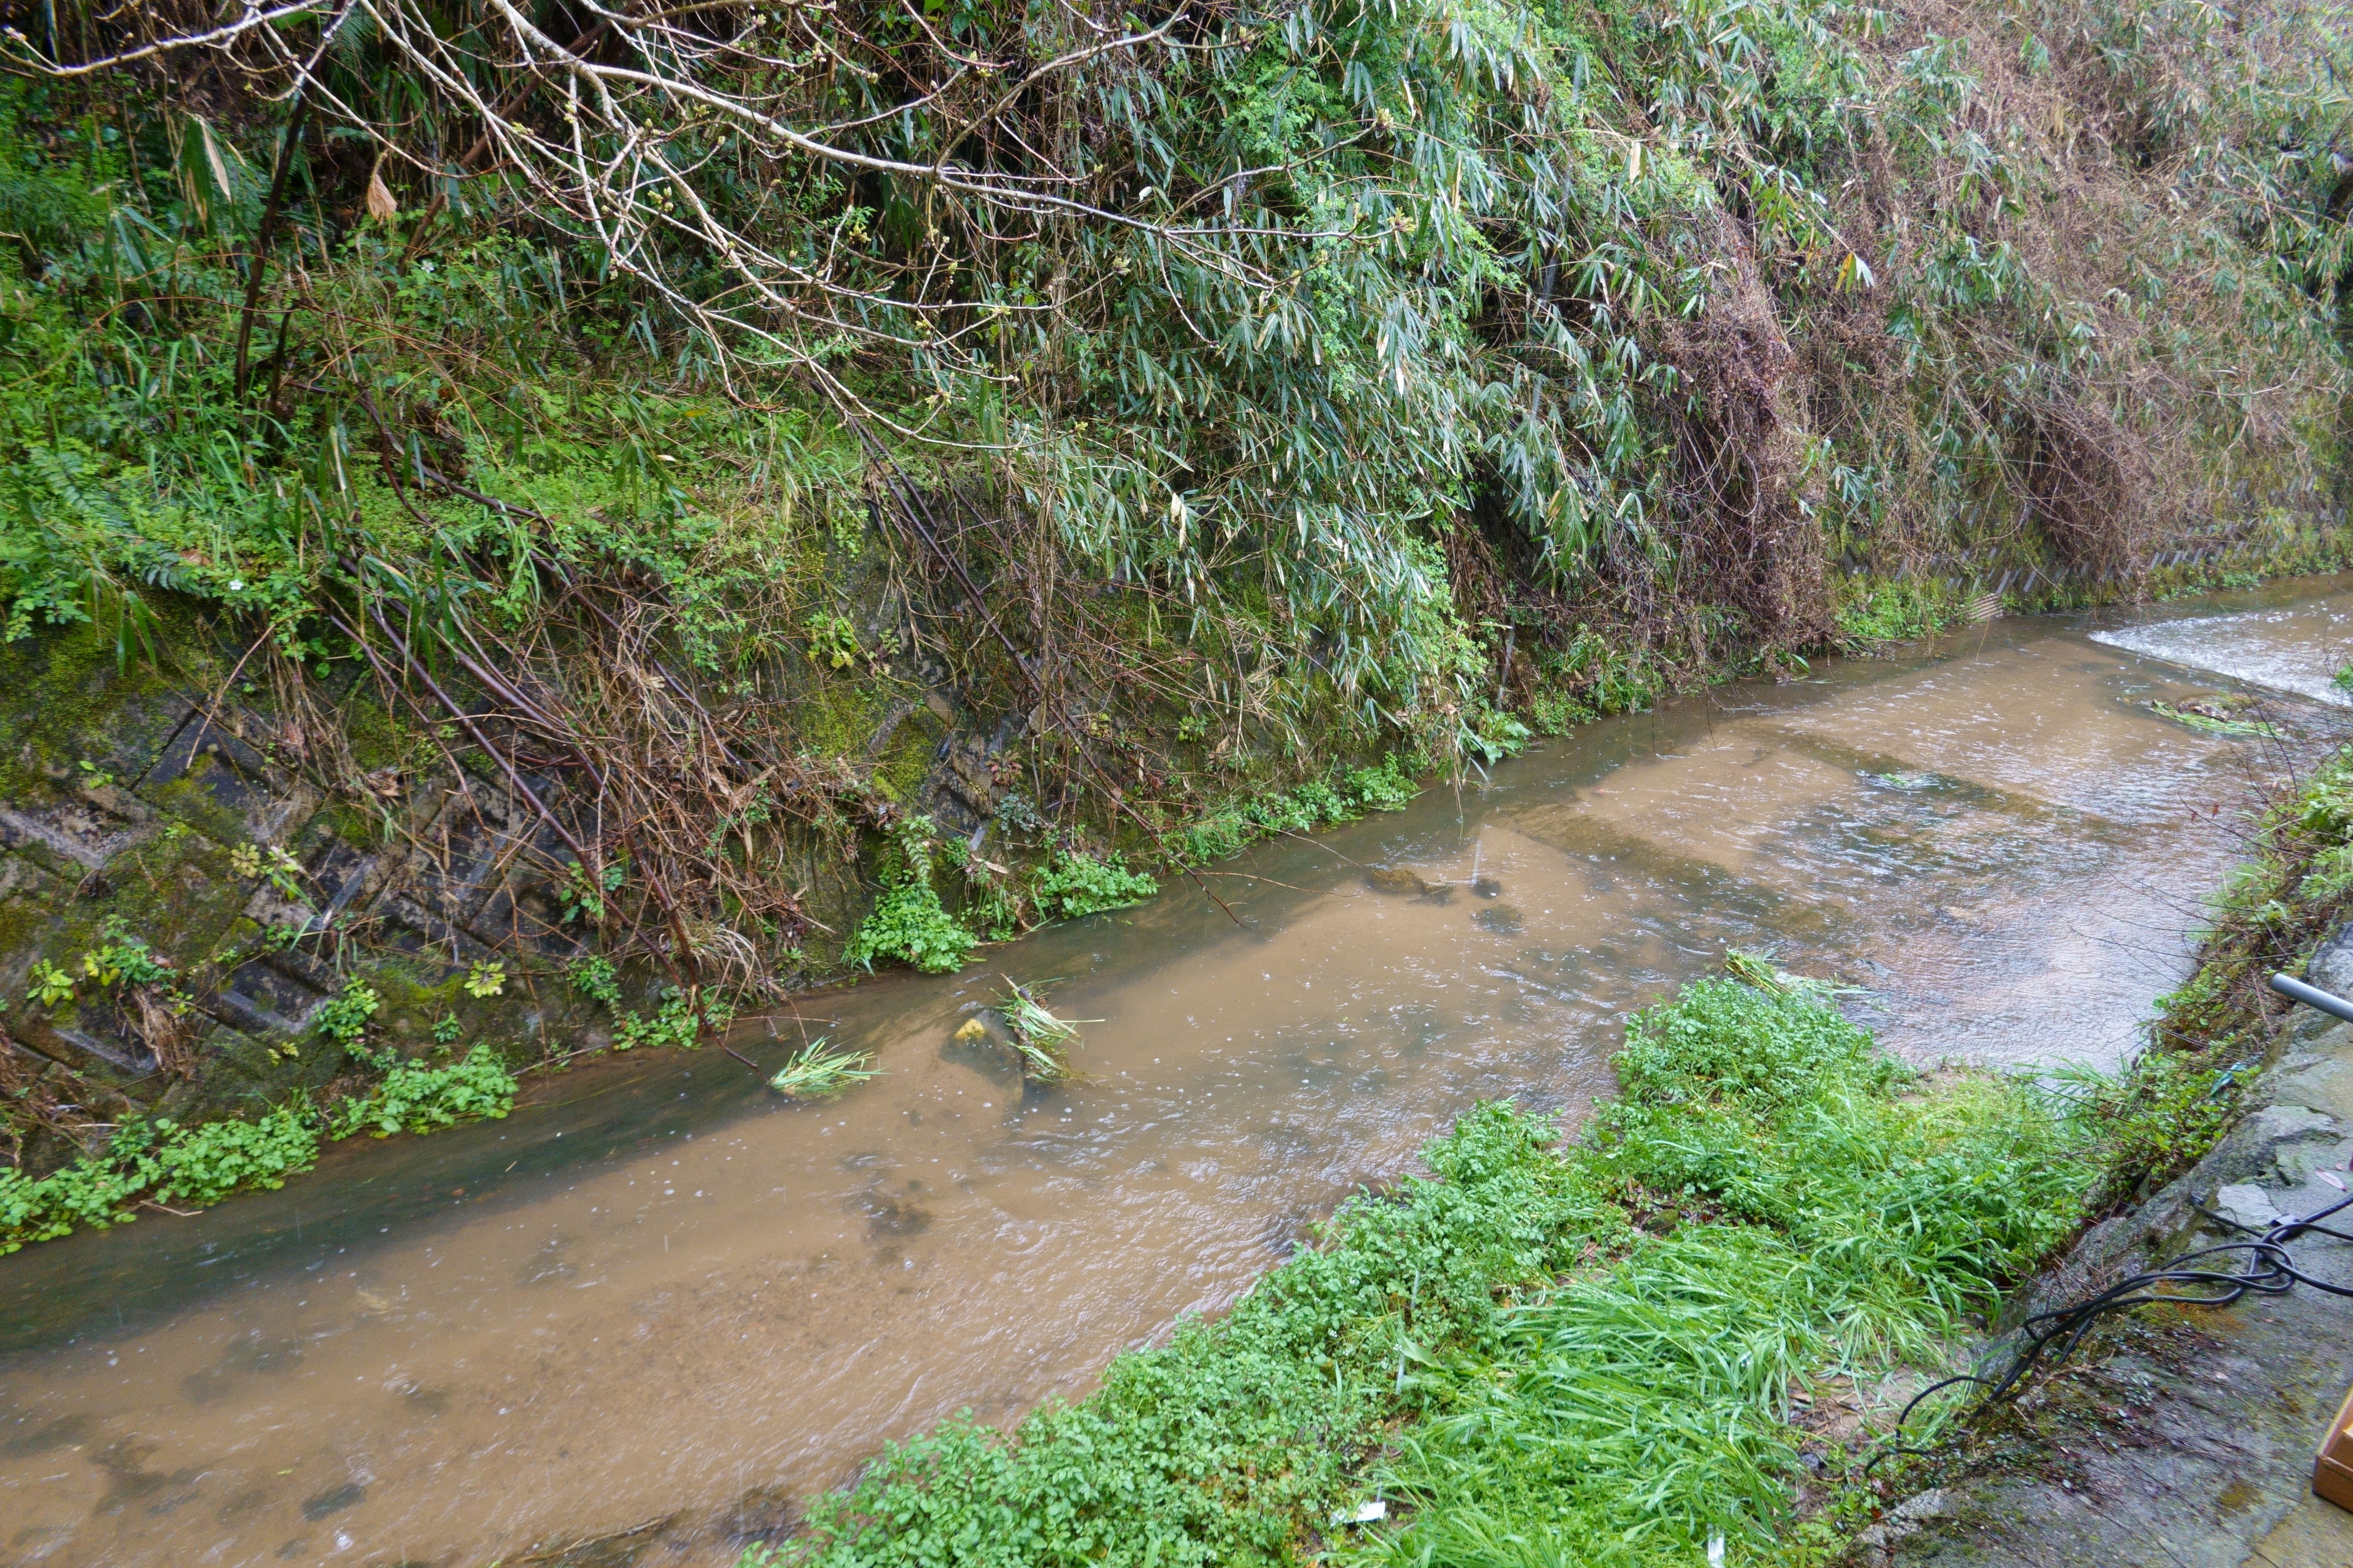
(1689, 1330)
(2174, 1436)
(2186, 1436)
(1599, 1350)
(193, 1015)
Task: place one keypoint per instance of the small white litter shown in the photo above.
(1369, 1511)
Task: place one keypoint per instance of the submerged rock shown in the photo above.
(319, 1505)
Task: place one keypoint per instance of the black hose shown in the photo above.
(2048, 1338)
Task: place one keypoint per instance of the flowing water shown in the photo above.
(659, 1299)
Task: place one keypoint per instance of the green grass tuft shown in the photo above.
(1043, 1040)
(814, 1071)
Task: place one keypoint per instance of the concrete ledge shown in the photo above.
(2188, 1443)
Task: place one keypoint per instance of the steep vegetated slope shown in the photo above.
(694, 496)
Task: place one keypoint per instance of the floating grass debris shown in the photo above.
(1041, 1039)
(2222, 716)
(1757, 968)
(815, 1072)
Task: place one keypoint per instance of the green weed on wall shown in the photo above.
(161, 1163)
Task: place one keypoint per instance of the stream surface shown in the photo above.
(660, 1295)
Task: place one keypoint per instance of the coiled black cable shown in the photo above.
(2048, 1338)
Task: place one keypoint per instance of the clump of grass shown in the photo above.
(1854, 1219)
(1873, 615)
(1043, 1040)
(2154, 1117)
(2215, 718)
(1502, 1353)
(1758, 970)
(815, 1072)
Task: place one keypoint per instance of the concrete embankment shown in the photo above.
(2182, 1437)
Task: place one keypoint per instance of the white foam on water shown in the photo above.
(2297, 650)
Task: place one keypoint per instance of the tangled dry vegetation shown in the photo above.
(642, 404)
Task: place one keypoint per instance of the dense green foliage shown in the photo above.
(1327, 283)
(1635, 1412)
(1551, 1354)
(1228, 826)
(1247, 389)
(414, 1098)
(156, 1162)
(909, 922)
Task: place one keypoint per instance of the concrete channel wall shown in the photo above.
(2183, 1437)
(168, 803)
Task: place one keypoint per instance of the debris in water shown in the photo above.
(1905, 781)
(1041, 1039)
(1755, 969)
(816, 1071)
(1758, 970)
(334, 1500)
(1486, 887)
(1395, 879)
(973, 1033)
(1503, 919)
(2218, 716)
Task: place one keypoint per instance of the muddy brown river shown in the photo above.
(659, 1300)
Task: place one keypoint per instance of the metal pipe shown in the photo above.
(2313, 996)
